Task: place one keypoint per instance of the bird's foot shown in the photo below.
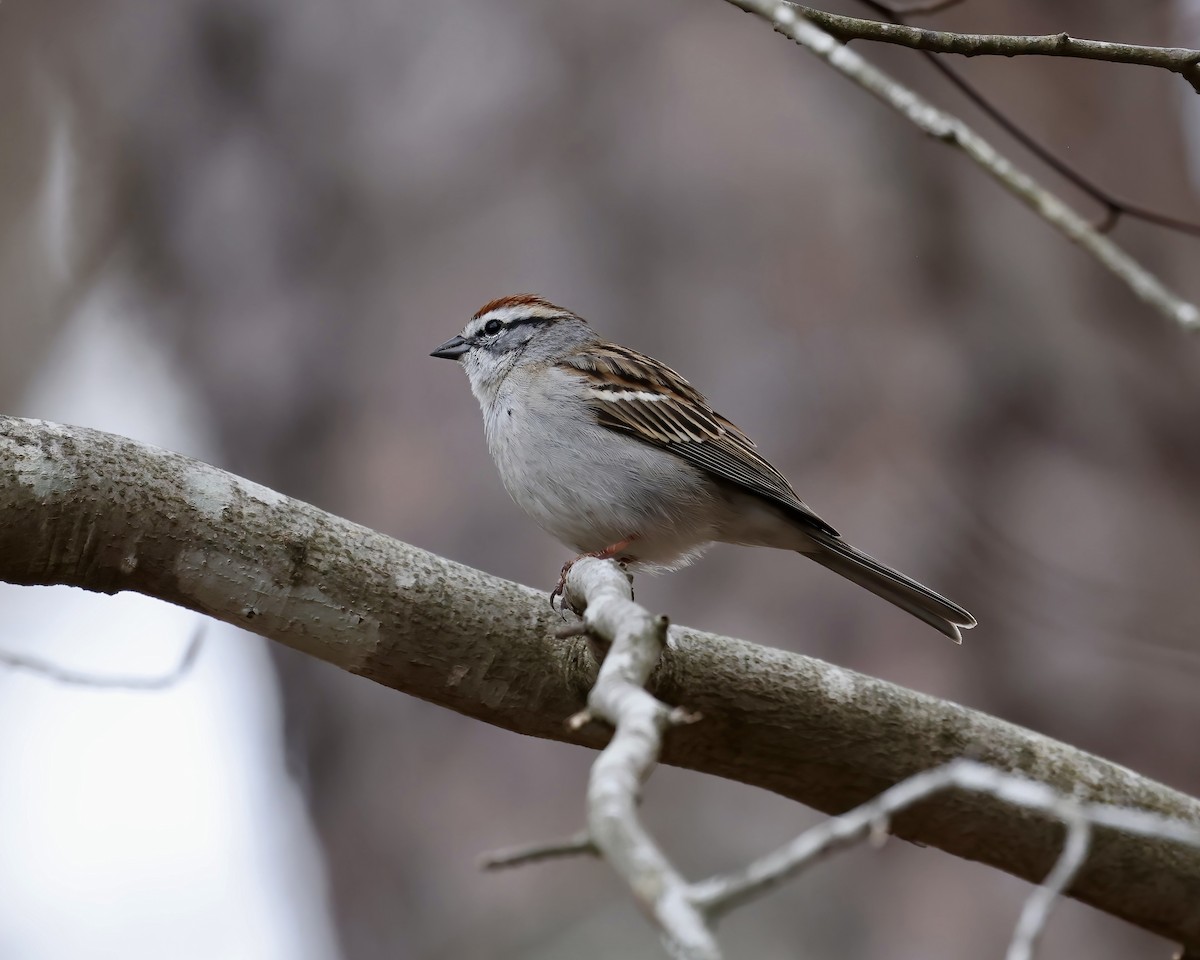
(608, 553)
(561, 586)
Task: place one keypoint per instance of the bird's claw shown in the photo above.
(608, 553)
(561, 587)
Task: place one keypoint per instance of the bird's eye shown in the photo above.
(492, 327)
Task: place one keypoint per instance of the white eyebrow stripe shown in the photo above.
(512, 315)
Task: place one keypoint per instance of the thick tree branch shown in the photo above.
(950, 130)
(1181, 60)
(97, 511)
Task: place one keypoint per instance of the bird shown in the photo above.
(617, 456)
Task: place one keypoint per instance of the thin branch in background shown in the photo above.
(1180, 60)
(720, 894)
(59, 674)
(1114, 208)
(952, 131)
(1037, 908)
(579, 844)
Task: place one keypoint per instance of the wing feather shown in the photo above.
(639, 396)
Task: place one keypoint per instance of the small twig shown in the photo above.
(579, 844)
(1180, 60)
(720, 894)
(1037, 908)
(683, 717)
(713, 897)
(63, 675)
(577, 721)
(952, 131)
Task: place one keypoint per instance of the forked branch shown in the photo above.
(685, 913)
(948, 129)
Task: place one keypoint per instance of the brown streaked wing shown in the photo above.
(629, 397)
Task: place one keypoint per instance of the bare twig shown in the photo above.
(1114, 207)
(950, 130)
(720, 894)
(1037, 908)
(869, 822)
(602, 590)
(1180, 60)
(579, 844)
(569, 630)
(59, 674)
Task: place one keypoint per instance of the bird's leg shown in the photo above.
(608, 553)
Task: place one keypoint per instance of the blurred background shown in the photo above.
(237, 227)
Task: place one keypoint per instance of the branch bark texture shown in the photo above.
(104, 513)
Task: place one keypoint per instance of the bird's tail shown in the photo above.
(891, 585)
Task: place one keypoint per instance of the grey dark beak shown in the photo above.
(452, 349)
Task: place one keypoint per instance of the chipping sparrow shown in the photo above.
(618, 456)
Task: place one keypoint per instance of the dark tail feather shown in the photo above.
(892, 586)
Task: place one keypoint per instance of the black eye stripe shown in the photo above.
(495, 325)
